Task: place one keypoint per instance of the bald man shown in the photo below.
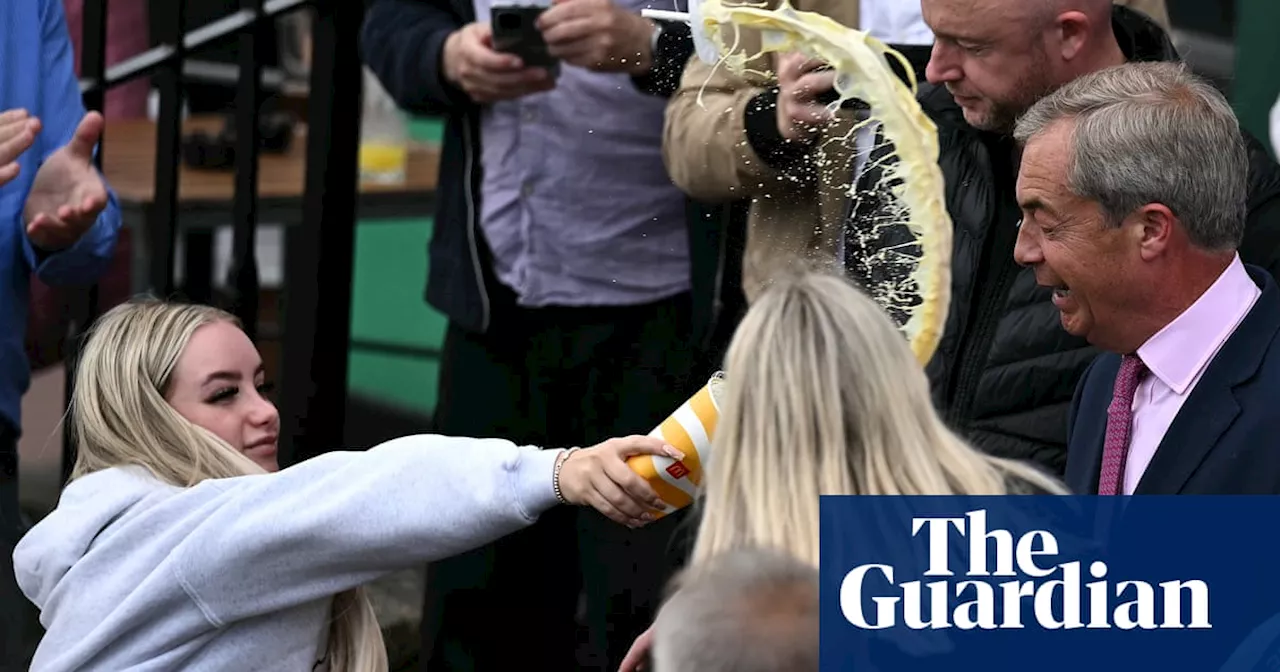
(749, 610)
(1005, 370)
(727, 137)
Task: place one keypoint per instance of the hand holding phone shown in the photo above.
(515, 31)
(598, 35)
(472, 63)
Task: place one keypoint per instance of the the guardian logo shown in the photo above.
(1052, 588)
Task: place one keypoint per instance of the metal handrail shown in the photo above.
(208, 35)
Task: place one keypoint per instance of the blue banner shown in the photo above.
(1047, 584)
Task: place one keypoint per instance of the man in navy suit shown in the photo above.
(1133, 193)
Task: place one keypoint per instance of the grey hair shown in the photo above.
(1153, 133)
(746, 610)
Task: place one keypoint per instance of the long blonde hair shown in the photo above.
(119, 416)
(824, 397)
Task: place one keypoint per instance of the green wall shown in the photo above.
(1257, 56)
(395, 335)
(391, 260)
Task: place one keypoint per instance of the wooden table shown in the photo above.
(129, 149)
(206, 197)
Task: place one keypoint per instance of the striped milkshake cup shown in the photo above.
(689, 430)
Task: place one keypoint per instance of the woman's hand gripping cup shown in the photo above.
(600, 477)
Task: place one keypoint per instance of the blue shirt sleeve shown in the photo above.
(60, 110)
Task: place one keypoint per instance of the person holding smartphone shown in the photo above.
(561, 256)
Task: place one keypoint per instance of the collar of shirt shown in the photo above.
(1179, 352)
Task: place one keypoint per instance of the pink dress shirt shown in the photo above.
(1176, 358)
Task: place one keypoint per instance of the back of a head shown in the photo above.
(1153, 133)
(823, 397)
(119, 415)
(815, 360)
(816, 372)
(743, 611)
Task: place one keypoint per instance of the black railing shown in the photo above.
(318, 260)
(244, 269)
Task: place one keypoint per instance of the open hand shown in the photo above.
(598, 35)
(17, 133)
(600, 477)
(68, 194)
(799, 112)
(486, 75)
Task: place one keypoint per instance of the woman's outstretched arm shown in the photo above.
(261, 543)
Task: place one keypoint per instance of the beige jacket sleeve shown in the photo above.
(704, 136)
(1154, 8)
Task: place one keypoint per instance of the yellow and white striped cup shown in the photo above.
(689, 430)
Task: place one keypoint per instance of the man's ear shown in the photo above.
(1152, 227)
(1073, 33)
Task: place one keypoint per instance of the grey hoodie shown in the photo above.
(239, 573)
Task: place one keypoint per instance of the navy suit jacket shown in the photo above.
(1225, 438)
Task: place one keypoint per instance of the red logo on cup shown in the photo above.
(678, 470)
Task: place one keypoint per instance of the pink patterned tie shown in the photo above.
(1119, 424)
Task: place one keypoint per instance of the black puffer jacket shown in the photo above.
(1005, 370)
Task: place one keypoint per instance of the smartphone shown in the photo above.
(515, 31)
(831, 95)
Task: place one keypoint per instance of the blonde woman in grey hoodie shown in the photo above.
(179, 544)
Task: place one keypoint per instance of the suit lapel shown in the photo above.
(1192, 435)
(1212, 406)
(1090, 431)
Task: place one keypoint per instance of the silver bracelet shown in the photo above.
(555, 479)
